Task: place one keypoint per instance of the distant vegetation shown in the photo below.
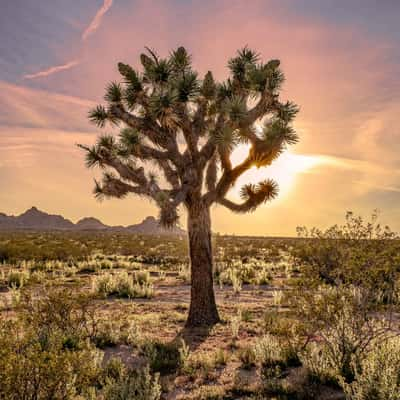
(101, 316)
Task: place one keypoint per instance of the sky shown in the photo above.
(341, 59)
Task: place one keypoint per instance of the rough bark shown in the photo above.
(203, 309)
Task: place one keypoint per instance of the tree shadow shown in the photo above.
(193, 337)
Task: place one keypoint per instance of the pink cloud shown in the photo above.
(96, 21)
(336, 74)
(52, 70)
(23, 106)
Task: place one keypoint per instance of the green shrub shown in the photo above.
(378, 376)
(122, 285)
(113, 371)
(33, 366)
(344, 319)
(165, 358)
(134, 385)
(199, 365)
(248, 358)
(359, 252)
(107, 335)
(59, 310)
(17, 278)
(319, 365)
(141, 277)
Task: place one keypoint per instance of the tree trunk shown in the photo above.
(203, 309)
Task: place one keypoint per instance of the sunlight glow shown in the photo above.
(284, 170)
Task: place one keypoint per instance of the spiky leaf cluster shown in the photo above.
(259, 193)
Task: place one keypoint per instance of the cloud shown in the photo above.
(341, 74)
(23, 106)
(92, 27)
(52, 70)
(96, 21)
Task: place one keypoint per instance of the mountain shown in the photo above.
(34, 219)
(90, 223)
(150, 226)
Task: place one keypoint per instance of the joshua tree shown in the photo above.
(187, 128)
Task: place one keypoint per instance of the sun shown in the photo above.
(284, 170)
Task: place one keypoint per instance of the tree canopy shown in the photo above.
(187, 128)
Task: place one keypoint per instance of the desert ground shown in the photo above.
(122, 301)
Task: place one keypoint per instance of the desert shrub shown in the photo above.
(37, 277)
(209, 393)
(107, 334)
(141, 277)
(59, 310)
(17, 278)
(358, 252)
(165, 358)
(134, 385)
(103, 285)
(122, 285)
(263, 277)
(277, 297)
(113, 371)
(47, 353)
(344, 319)
(199, 365)
(235, 323)
(221, 357)
(246, 315)
(378, 376)
(74, 317)
(184, 272)
(248, 357)
(289, 330)
(268, 351)
(236, 281)
(346, 294)
(319, 365)
(33, 366)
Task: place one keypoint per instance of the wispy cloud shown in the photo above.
(96, 21)
(52, 70)
(92, 27)
(24, 106)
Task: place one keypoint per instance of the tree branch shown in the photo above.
(226, 181)
(187, 129)
(254, 196)
(148, 128)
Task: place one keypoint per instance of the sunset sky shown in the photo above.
(342, 64)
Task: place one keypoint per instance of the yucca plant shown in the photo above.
(188, 128)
